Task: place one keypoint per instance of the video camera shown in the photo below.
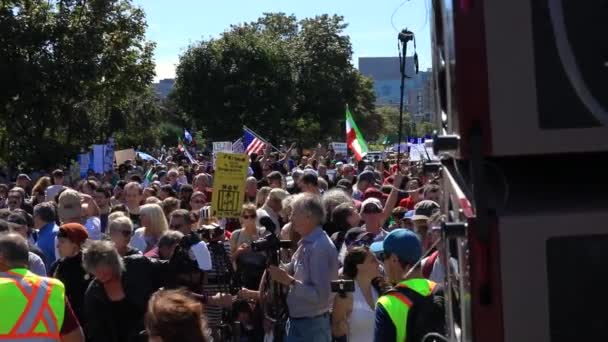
(342, 286)
(270, 244)
(211, 232)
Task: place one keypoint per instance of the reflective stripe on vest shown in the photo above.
(398, 305)
(41, 302)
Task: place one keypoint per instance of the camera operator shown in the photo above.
(116, 300)
(221, 277)
(309, 274)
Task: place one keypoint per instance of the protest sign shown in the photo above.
(124, 155)
(99, 156)
(108, 162)
(416, 152)
(84, 160)
(222, 146)
(229, 184)
(339, 148)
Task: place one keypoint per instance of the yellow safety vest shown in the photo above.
(31, 307)
(398, 305)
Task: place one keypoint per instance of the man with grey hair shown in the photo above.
(331, 199)
(251, 189)
(56, 318)
(17, 200)
(309, 274)
(272, 208)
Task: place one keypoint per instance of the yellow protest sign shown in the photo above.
(229, 184)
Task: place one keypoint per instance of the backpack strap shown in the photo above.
(427, 268)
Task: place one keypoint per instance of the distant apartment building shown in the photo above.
(164, 87)
(419, 96)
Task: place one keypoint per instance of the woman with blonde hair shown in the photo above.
(263, 193)
(153, 225)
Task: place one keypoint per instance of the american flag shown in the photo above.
(238, 147)
(253, 144)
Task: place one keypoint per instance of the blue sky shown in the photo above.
(175, 24)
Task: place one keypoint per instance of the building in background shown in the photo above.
(419, 96)
(164, 87)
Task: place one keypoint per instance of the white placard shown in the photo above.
(222, 146)
(339, 148)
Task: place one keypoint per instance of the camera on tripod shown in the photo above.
(211, 232)
(342, 286)
(269, 243)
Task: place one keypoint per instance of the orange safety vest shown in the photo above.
(31, 307)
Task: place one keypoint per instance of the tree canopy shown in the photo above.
(74, 72)
(286, 79)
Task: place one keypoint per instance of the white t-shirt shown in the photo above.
(138, 241)
(362, 319)
(52, 191)
(438, 272)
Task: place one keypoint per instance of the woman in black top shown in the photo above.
(69, 268)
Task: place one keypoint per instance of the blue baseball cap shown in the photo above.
(376, 247)
(404, 243)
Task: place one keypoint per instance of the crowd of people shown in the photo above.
(139, 254)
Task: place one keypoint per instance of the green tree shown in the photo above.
(285, 79)
(73, 71)
(425, 128)
(390, 117)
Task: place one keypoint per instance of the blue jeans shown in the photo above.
(316, 329)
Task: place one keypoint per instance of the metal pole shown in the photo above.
(404, 37)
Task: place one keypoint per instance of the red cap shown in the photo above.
(375, 193)
(75, 232)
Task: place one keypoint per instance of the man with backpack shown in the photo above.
(414, 307)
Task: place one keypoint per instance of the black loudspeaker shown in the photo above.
(529, 76)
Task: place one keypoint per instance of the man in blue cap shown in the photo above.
(408, 311)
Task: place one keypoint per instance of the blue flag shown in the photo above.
(187, 136)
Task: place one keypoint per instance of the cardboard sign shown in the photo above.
(124, 155)
(339, 148)
(229, 184)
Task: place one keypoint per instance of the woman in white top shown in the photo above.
(153, 226)
(354, 315)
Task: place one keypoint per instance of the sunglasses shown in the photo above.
(362, 242)
(198, 202)
(247, 217)
(175, 226)
(265, 170)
